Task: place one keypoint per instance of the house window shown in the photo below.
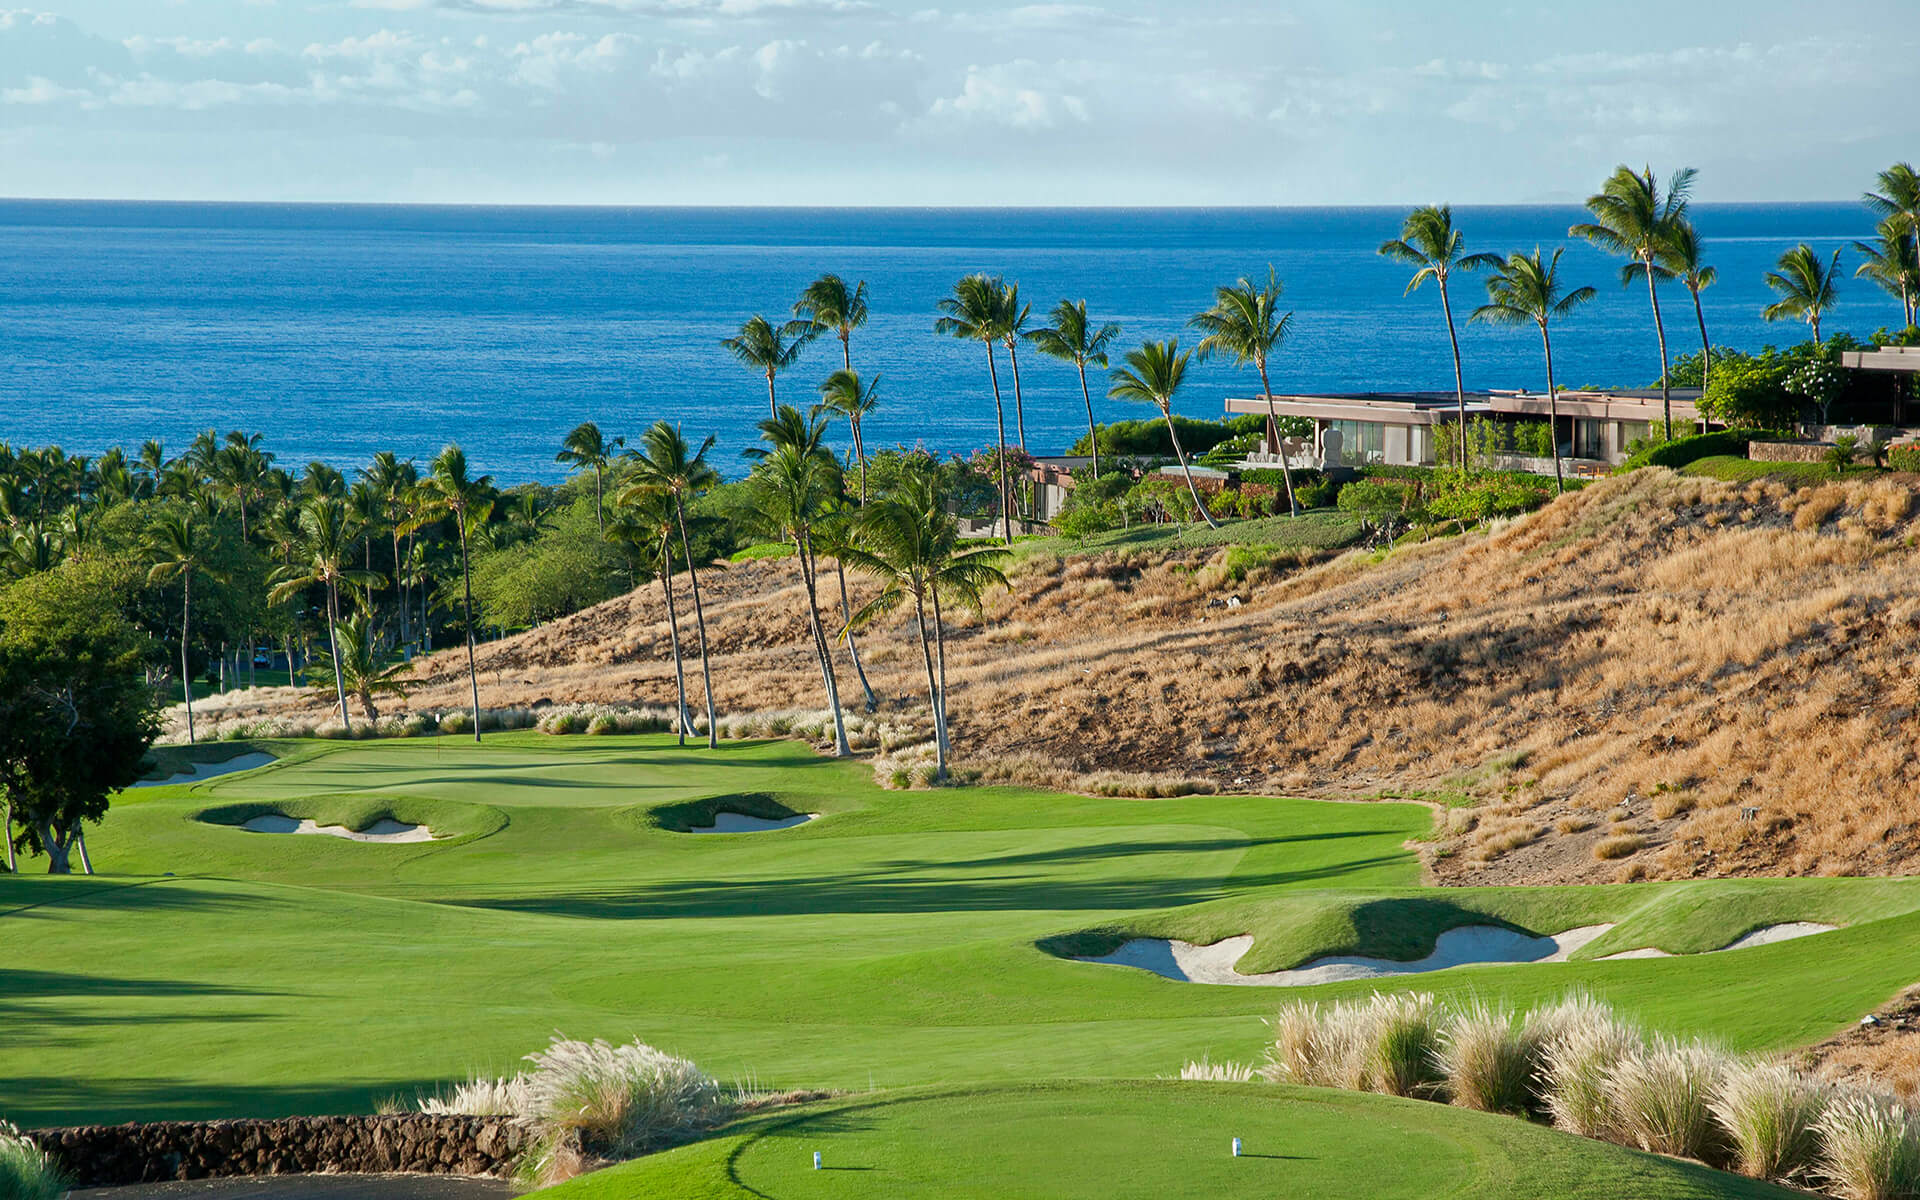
(1361, 442)
(1588, 440)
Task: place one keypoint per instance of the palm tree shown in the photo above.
(1634, 219)
(1013, 327)
(831, 537)
(396, 482)
(1072, 338)
(650, 519)
(1683, 258)
(1893, 261)
(976, 312)
(1429, 243)
(1806, 287)
(1246, 323)
(1153, 375)
(586, 448)
(908, 541)
(361, 673)
(665, 465)
(1527, 288)
(767, 349)
(828, 305)
(180, 552)
(326, 559)
(846, 394)
(793, 487)
(449, 492)
(1899, 198)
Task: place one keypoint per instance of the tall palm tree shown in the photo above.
(395, 482)
(323, 480)
(650, 519)
(666, 465)
(1153, 375)
(450, 491)
(361, 673)
(586, 448)
(1246, 324)
(1633, 218)
(1526, 287)
(1893, 261)
(1013, 327)
(976, 312)
(828, 305)
(1807, 287)
(793, 486)
(325, 559)
(1684, 259)
(768, 349)
(180, 552)
(846, 394)
(1430, 244)
(908, 541)
(1072, 338)
(1898, 197)
(831, 536)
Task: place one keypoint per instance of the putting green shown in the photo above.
(903, 939)
(1117, 1141)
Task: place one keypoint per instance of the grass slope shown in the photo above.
(897, 941)
(1114, 1141)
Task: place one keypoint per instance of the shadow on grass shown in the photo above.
(43, 1101)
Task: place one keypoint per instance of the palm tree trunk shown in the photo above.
(1093, 432)
(683, 718)
(940, 657)
(1553, 413)
(333, 652)
(1660, 331)
(1459, 381)
(400, 586)
(1000, 449)
(773, 407)
(1273, 416)
(933, 692)
(473, 670)
(1814, 320)
(807, 575)
(599, 509)
(1020, 424)
(853, 647)
(699, 613)
(1706, 351)
(1178, 453)
(860, 454)
(186, 673)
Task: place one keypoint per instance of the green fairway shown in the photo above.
(901, 940)
(1119, 1141)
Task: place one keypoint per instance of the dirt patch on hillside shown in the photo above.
(1656, 677)
(1882, 1051)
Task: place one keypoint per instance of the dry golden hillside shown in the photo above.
(1658, 676)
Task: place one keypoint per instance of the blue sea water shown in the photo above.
(337, 331)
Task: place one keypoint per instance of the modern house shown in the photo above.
(1397, 428)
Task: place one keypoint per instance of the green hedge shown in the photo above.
(1904, 458)
(1681, 451)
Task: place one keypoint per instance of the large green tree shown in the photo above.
(1892, 261)
(846, 394)
(830, 305)
(324, 559)
(1430, 244)
(1686, 258)
(1526, 289)
(769, 349)
(1246, 324)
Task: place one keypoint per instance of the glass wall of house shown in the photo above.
(1361, 442)
(1589, 438)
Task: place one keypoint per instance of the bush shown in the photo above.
(1750, 392)
(1477, 497)
(26, 1171)
(1681, 451)
(1661, 1100)
(1769, 1113)
(1489, 1058)
(1869, 1148)
(482, 1098)
(1904, 457)
(1375, 498)
(1840, 455)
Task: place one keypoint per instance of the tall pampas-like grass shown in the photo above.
(482, 1097)
(26, 1171)
(1662, 1097)
(1489, 1056)
(1208, 1071)
(1770, 1113)
(1869, 1148)
(1581, 1041)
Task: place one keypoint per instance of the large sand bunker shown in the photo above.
(385, 830)
(199, 771)
(1464, 946)
(733, 822)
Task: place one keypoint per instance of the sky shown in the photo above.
(894, 102)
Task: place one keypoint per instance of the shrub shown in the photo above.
(1749, 393)
(1400, 1044)
(1477, 497)
(1489, 1057)
(1299, 1053)
(1661, 1098)
(26, 1171)
(1769, 1112)
(1904, 457)
(1840, 455)
(1869, 1148)
(1374, 497)
(594, 1099)
(1608, 849)
(1681, 451)
(1581, 1042)
(1221, 1072)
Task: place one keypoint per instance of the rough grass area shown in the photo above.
(1148, 1140)
(1795, 474)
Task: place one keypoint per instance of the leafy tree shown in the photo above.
(181, 552)
(1246, 324)
(1749, 392)
(75, 718)
(1806, 287)
(450, 491)
(1071, 337)
(1526, 288)
(587, 449)
(667, 466)
(569, 566)
(1892, 261)
(1429, 243)
(1153, 375)
(976, 311)
(828, 305)
(1633, 218)
(768, 349)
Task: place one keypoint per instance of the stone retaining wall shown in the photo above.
(113, 1155)
(1794, 452)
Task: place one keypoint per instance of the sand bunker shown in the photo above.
(1766, 936)
(732, 822)
(198, 771)
(1460, 947)
(389, 831)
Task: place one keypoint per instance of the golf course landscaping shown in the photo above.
(916, 952)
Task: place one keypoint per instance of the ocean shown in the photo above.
(339, 330)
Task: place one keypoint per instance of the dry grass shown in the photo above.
(1618, 846)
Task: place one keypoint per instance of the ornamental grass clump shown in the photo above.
(1662, 1099)
(1488, 1057)
(1399, 1044)
(479, 1097)
(1581, 1044)
(1208, 1071)
(1299, 1053)
(26, 1171)
(1770, 1113)
(1869, 1148)
(595, 1100)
